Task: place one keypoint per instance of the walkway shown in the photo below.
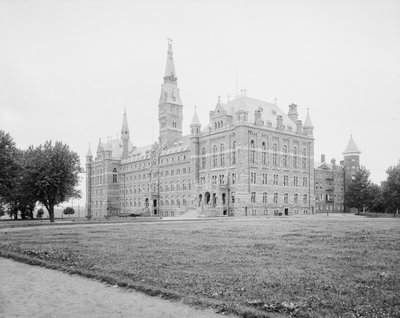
(32, 291)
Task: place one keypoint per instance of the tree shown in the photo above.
(39, 213)
(376, 201)
(68, 211)
(8, 171)
(357, 194)
(391, 188)
(52, 172)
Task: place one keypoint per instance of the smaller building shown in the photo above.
(331, 179)
(329, 186)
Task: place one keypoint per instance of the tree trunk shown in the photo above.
(51, 213)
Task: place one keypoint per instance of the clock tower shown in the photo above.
(170, 104)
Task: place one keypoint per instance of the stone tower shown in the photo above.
(125, 136)
(351, 160)
(170, 105)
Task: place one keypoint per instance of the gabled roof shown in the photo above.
(351, 147)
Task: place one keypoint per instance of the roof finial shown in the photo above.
(275, 101)
(219, 99)
(169, 42)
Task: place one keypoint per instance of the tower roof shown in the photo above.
(125, 123)
(307, 122)
(170, 66)
(89, 152)
(195, 120)
(351, 147)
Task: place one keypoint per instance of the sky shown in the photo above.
(68, 69)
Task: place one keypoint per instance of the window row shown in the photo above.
(275, 198)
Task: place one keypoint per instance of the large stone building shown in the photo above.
(251, 158)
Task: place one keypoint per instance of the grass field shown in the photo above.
(313, 266)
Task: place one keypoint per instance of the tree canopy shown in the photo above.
(53, 173)
(47, 174)
(391, 188)
(358, 194)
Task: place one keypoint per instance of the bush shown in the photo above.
(68, 211)
(39, 213)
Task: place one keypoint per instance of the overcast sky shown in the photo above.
(68, 68)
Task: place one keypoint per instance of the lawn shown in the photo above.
(311, 266)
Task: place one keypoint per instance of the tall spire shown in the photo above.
(170, 66)
(125, 128)
(351, 148)
(307, 122)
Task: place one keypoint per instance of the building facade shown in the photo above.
(251, 158)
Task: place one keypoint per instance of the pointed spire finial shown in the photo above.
(308, 122)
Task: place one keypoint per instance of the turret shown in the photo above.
(351, 162)
(308, 126)
(125, 136)
(351, 159)
(195, 125)
(89, 156)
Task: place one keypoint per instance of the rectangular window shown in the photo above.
(253, 177)
(275, 179)
(265, 178)
(295, 181)
(286, 181)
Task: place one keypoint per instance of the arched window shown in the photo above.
(265, 197)
(203, 158)
(275, 197)
(286, 198)
(296, 198)
(295, 157)
(275, 155)
(305, 199)
(215, 158)
(253, 197)
(115, 179)
(216, 126)
(222, 124)
(252, 151)
(234, 153)
(264, 153)
(222, 155)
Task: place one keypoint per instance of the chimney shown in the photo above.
(293, 115)
(279, 122)
(299, 125)
(322, 158)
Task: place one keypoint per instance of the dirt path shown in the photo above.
(32, 291)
